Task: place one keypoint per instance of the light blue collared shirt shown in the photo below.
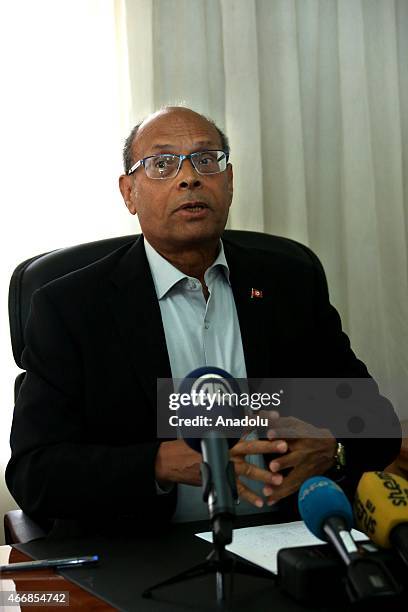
(199, 333)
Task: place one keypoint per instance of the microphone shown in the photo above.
(381, 510)
(210, 384)
(328, 514)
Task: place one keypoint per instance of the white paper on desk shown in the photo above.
(260, 545)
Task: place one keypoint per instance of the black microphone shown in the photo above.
(328, 514)
(207, 386)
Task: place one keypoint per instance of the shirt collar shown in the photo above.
(165, 275)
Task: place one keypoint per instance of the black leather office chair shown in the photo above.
(41, 269)
(30, 275)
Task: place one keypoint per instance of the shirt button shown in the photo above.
(206, 324)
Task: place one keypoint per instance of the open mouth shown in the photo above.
(193, 206)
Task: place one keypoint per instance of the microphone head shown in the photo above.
(212, 391)
(381, 503)
(320, 499)
(209, 378)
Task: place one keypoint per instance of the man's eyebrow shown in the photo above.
(207, 143)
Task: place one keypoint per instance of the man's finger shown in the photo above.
(272, 415)
(291, 427)
(243, 468)
(251, 497)
(290, 484)
(256, 447)
(286, 432)
(290, 460)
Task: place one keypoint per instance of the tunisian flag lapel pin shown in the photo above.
(256, 293)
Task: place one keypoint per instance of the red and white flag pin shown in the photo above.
(256, 293)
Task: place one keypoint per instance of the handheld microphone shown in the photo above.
(217, 471)
(328, 514)
(381, 510)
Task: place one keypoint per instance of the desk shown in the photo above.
(130, 565)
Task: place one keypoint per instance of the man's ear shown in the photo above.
(230, 178)
(125, 186)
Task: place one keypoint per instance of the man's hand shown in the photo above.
(177, 462)
(243, 468)
(311, 452)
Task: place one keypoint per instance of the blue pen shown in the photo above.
(47, 563)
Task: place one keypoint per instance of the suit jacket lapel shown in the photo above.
(252, 311)
(133, 301)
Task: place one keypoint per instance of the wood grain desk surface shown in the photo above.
(43, 581)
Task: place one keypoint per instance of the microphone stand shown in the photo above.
(219, 561)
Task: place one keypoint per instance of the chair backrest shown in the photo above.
(35, 272)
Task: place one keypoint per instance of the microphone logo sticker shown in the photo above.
(364, 513)
(211, 386)
(396, 493)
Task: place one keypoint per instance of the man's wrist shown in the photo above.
(340, 457)
(161, 473)
(177, 462)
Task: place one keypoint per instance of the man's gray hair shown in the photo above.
(127, 149)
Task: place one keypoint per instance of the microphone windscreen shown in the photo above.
(381, 503)
(321, 499)
(215, 382)
(208, 377)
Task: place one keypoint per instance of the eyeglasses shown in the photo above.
(167, 165)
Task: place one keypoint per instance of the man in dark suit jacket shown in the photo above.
(84, 437)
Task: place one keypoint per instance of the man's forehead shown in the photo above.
(173, 127)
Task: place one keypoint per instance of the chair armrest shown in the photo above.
(20, 528)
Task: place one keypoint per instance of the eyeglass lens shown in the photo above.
(167, 165)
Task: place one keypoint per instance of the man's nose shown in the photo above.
(188, 177)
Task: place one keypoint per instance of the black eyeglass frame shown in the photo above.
(181, 158)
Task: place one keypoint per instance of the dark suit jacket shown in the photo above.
(84, 430)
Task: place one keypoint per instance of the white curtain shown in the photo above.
(314, 97)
